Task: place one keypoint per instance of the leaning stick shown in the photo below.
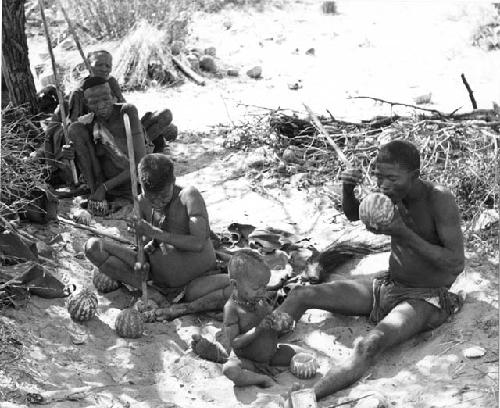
(94, 230)
(75, 37)
(58, 88)
(133, 180)
(324, 132)
(189, 72)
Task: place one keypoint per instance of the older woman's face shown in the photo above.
(99, 100)
(160, 199)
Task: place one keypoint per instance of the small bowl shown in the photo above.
(303, 366)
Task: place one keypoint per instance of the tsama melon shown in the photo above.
(103, 283)
(129, 324)
(82, 305)
(376, 210)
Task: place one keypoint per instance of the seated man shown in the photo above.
(174, 221)
(100, 142)
(426, 256)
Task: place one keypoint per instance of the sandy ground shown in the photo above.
(392, 50)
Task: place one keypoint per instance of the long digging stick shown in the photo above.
(75, 37)
(324, 132)
(58, 88)
(133, 181)
(94, 231)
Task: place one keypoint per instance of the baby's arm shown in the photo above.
(236, 339)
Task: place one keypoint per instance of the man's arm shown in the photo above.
(449, 256)
(199, 230)
(350, 204)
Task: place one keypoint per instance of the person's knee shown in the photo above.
(94, 251)
(369, 346)
(231, 370)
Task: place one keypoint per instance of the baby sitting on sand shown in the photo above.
(250, 327)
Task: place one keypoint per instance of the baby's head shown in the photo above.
(249, 275)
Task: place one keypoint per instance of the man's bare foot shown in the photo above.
(208, 350)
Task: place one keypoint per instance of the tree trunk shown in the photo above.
(15, 62)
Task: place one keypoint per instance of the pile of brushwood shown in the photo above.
(23, 176)
(459, 151)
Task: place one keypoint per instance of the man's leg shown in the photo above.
(404, 321)
(85, 155)
(348, 297)
(116, 261)
(214, 300)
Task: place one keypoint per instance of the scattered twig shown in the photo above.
(348, 402)
(469, 90)
(435, 111)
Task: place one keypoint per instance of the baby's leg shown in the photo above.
(239, 371)
(283, 355)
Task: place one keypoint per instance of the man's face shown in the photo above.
(101, 65)
(160, 199)
(99, 100)
(393, 180)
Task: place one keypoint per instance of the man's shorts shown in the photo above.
(387, 294)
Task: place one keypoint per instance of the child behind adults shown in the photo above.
(247, 324)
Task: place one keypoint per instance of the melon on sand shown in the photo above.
(129, 324)
(82, 305)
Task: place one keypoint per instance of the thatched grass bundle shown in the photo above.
(144, 49)
(20, 173)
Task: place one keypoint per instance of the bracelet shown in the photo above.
(105, 187)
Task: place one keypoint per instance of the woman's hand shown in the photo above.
(352, 176)
(145, 229)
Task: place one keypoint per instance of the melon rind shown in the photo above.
(376, 210)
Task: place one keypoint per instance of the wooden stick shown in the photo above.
(400, 104)
(75, 37)
(324, 132)
(133, 180)
(469, 90)
(94, 230)
(58, 89)
(188, 71)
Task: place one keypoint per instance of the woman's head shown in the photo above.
(97, 94)
(156, 175)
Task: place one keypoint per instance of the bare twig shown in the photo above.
(469, 90)
(440, 114)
